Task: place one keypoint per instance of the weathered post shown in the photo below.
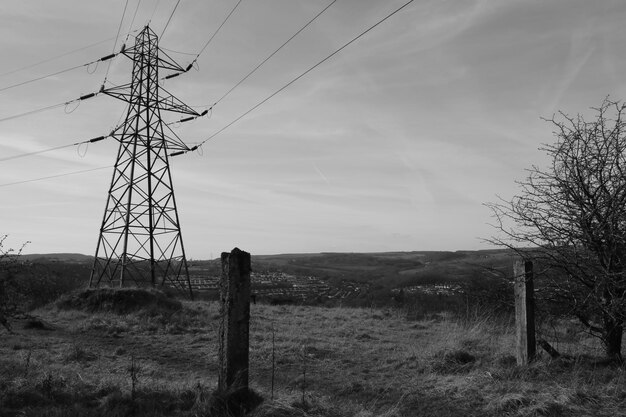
(235, 320)
(524, 312)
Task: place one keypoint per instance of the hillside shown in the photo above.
(390, 269)
(361, 278)
(358, 279)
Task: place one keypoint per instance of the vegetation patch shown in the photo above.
(235, 403)
(454, 362)
(82, 401)
(77, 353)
(509, 402)
(36, 324)
(119, 301)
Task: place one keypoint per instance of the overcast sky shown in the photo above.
(392, 145)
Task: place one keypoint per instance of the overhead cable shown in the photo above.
(193, 62)
(156, 6)
(132, 22)
(55, 176)
(176, 52)
(274, 53)
(106, 58)
(42, 109)
(119, 28)
(92, 140)
(53, 106)
(259, 104)
(216, 32)
(170, 18)
(54, 58)
(22, 155)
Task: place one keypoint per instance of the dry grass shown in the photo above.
(359, 362)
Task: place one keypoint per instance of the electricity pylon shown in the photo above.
(140, 241)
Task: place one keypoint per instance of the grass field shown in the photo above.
(161, 361)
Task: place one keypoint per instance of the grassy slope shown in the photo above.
(359, 362)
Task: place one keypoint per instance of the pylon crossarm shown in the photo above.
(169, 102)
(168, 63)
(164, 61)
(174, 143)
(121, 92)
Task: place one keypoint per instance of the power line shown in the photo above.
(132, 22)
(205, 45)
(23, 155)
(93, 140)
(156, 6)
(259, 104)
(104, 58)
(48, 75)
(176, 52)
(170, 18)
(54, 58)
(119, 28)
(274, 53)
(53, 106)
(55, 176)
(216, 32)
(42, 109)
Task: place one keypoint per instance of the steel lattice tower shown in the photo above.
(140, 241)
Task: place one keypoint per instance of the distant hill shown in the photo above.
(329, 277)
(391, 269)
(58, 257)
(387, 269)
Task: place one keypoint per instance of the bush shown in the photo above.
(119, 301)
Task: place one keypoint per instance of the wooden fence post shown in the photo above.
(526, 347)
(235, 320)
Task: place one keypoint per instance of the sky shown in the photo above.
(393, 144)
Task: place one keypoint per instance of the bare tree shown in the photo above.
(571, 217)
(10, 291)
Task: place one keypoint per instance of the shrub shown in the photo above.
(119, 301)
